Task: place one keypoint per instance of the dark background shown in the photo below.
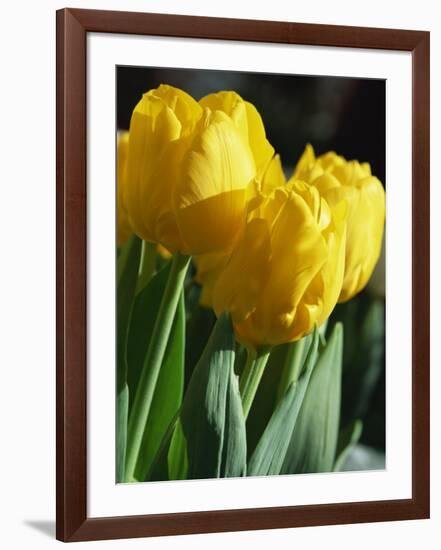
(332, 113)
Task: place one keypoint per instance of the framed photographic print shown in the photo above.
(242, 274)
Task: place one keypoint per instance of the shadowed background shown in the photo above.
(332, 113)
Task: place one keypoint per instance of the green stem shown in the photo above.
(152, 363)
(251, 376)
(292, 366)
(322, 332)
(147, 264)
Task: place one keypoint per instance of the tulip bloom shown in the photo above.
(285, 275)
(337, 179)
(190, 170)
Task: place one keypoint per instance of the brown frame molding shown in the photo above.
(71, 507)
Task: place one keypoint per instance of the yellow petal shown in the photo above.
(305, 161)
(208, 268)
(248, 121)
(156, 199)
(161, 128)
(273, 176)
(332, 274)
(231, 104)
(262, 149)
(265, 284)
(152, 128)
(211, 194)
(337, 179)
(298, 253)
(186, 109)
(365, 234)
(123, 227)
(241, 282)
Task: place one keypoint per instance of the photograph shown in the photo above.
(250, 274)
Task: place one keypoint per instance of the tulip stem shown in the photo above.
(292, 366)
(251, 376)
(153, 361)
(147, 265)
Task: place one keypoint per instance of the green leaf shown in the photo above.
(270, 452)
(127, 273)
(199, 327)
(212, 418)
(122, 415)
(127, 268)
(145, 310)
(313, 442)
(159, 468)
(168, 393)
(177, 454)
(270, 389)
(348, 438)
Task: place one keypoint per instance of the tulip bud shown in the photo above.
(285, 274)
(190, 170)
(338, 179)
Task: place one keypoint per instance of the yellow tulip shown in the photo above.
(190, 169)
(285, 274)
(337, 179)
(123, 227)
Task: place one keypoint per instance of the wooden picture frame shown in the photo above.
(72, 521)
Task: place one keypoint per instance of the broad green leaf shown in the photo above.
(169, 387)
(159, 468)
(313, 441)
(212, 418)
(127, 273)
(347, 440)
(177, 454)
(270, 452)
